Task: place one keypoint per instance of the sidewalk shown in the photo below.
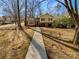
(36, 49)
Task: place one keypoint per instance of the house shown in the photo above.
(45, 20)
(6, 19)
(30, 21)
(1, 20)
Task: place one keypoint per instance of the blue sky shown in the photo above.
(51, 7)
(52, 4)
(44, 7)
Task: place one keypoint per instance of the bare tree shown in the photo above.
(13, 8)
(33, 6)
(58, 8)
(25, 22)
(73, 12)
(18, 14)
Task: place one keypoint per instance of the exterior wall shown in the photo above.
(46, 17)
(1, 20)
(31, 22)
(6, 19)
(44, 21)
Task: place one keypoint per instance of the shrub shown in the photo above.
(63, 22)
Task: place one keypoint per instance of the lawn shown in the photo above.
(65, 34)
(14, 43)
(54, 47)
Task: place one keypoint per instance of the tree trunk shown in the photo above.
(76, 38)
(18, 14)
(25, 22)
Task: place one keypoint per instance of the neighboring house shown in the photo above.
(45, 20)
(1, 20)
(31, 21)
(6, 20)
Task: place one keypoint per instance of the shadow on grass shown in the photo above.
(65, 40)
(58, 40)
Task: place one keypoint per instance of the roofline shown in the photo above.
(45, 14)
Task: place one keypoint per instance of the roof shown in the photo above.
(47, 14)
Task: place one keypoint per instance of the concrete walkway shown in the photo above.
(36, 49)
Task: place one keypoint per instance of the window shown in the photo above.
(50, 19)
(42, 19)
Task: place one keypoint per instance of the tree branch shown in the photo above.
(62, 3)
(72, 9)
(76, 7)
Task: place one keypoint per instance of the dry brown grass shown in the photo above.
(65, 34)
(57, 50)
(14, 44)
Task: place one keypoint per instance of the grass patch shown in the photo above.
(56, 50)
(14, 46)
